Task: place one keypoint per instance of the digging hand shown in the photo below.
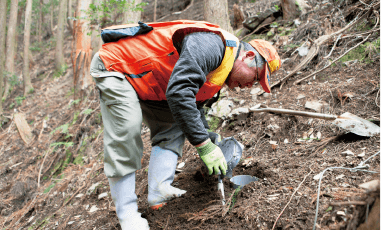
(215, 137)
(213, 158)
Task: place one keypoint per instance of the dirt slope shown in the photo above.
(73, 192)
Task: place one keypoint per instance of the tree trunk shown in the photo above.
(96, 40)
(10, 53)
(82, 58)
(28, 88)
(51, 16)
(154, 11)
(39, 28)
(216, 11)
(292, 9)
(3, 20)
(132, 16)
(60, 61)
(69, 16)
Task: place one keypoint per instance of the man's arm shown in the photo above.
(200, 54)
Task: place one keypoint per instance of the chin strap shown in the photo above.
(239, 49)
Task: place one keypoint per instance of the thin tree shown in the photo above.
(51, 16)
(216, 11)
(3, 17)
(82, 41)
(131, 16)
(28, 88)
(60, 61)
(40, 22)
(10, 50)
(69, 16)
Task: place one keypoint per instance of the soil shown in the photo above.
(68, 189)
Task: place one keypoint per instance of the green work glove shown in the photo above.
(215, 137)
(213, 158)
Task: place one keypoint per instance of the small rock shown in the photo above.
(241, 102)
(321, 107)
(285, 141)
(266, 95)
(70, 222)
(92, 188)
(361, 155)
(340, 176)
(255, 91)
(93, 209)
(348, 153)
(340, 213)
(102, 195)
(79, 195)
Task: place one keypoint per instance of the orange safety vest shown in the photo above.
(147, 60)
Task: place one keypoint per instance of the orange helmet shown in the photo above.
(268, 52)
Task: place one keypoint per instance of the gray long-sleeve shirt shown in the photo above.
(200, 54)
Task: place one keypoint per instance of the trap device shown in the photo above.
(232, 151)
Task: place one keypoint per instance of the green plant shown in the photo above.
(234, 198)
(364, 52)
(75, 102)
(12, 105)
(66, 144)
(87, 111)
(19, 99)
(64, 129)
(277, 8)
(59, 72)
(213, 123)
(71, 92)
(98, 13)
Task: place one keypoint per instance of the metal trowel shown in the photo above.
(232, 151)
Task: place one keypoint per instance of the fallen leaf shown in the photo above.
(340, 176)
(310, 131)
(318, 135)
(348, 152)
(305, 135)
(93, 209)
(361, 155)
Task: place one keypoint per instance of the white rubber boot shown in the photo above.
(125, 200)
(161, 172)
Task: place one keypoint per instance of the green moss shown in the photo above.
(213, 123)
(364, 52)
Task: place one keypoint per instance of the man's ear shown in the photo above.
(250, 54)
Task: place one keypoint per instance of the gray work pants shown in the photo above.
(122, 115)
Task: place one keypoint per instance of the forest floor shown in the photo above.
(57, 181)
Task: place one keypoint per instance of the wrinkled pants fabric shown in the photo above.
(122, 115)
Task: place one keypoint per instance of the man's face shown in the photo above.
(243, 74)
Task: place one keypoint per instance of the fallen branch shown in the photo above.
(290, 200)
(316, 47)
(316, 72)
(355, 202)
(42, 164)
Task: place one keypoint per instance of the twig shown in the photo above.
(377, 98)
(334, 45)
(42, 164)
(316, 47)
(166, 226)
(345, 203)
(26, 211)
(256, 29)
(314, 73)
(290, 199)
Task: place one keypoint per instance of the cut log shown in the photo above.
(23, 128)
